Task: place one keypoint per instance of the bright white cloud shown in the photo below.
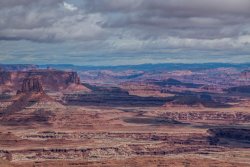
(69, 7)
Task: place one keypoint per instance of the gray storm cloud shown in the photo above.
(130, 24)
(25, 3)
(182, 18)
(46, 21)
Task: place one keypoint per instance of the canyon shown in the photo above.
(55, 117)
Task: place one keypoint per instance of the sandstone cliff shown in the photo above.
(31, 85)
(52, 80)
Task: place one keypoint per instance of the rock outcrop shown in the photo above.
(31, 94)
(52, 80)
(245, 75)
(73, 78)
(31, 85)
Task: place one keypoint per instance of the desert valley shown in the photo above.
(161, 115)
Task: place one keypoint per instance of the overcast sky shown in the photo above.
(116, 32)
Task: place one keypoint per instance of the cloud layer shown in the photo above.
(129, 26)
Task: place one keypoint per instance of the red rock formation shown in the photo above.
(52, 80)
(31, 85)
(31, 93)
(73, 78)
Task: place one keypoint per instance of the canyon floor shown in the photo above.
(97, 136)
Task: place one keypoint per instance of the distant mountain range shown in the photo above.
(144, 67)
(149, 67)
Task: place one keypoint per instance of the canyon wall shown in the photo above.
(52, 80)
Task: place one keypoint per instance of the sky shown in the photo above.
(122, 32)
